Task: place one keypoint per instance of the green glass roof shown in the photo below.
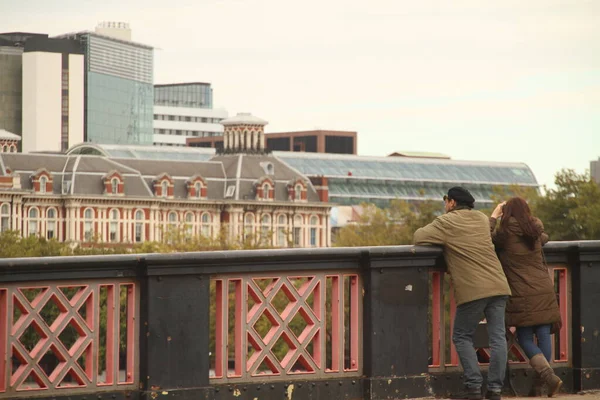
(145, 152)
(409, 169)
(355, 191)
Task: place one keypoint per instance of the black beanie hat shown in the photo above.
(461, 196)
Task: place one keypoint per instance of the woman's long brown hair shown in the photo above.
(519, 210)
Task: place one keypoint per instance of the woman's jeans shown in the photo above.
(544, 341)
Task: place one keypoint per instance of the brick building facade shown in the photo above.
(84, 197)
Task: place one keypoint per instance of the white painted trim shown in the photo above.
(237, 177)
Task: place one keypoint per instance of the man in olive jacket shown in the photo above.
(480, 287)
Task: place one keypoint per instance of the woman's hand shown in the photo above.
(498, 210)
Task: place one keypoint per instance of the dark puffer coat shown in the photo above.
(533, 300)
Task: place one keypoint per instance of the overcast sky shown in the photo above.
(507, 80)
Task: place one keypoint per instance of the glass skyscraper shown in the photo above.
(119, 92)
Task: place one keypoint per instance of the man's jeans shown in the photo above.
(467, 318)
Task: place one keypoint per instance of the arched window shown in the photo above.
(282, 231)
(164, 188)
(248, 226)
(265, 228)
(173, 218)
(298, 192)
(43, 184)
(88, 224)
(298, 231)
(266, 189)
(139, 226)
(34, 221)
(189, 224)
(113, 231)
(5, 149)
(314, 237)
(205, 223)
(51, 223)
(4, 217)
(198, 189)
(114, 186)
(13, 149)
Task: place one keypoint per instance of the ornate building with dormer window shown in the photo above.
(133, 194)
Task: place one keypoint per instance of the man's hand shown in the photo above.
(498, 210)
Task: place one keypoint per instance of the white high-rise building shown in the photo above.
(184, 110)
(53, 95)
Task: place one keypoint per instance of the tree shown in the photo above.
(394, 225)
(572, 210)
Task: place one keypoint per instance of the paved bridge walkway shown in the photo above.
(583, 396)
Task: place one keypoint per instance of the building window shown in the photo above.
(173, 218)
(298, 192)
(248, 226)
(113, 232)
(88, 225)
(281, 231)
(265, 228)
(139, 226)
(298, 231)
(43, 183)
(189, 224)
(314, 239)
(164, 188)
(13, 148)
(266, 189)
(51, 223)
(4, 218)
(205, 222)
(114, 186)
(33, 221)
(198, 189)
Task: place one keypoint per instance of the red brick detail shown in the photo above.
(320, 184)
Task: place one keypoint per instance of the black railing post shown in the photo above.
(395, 326)
(174, 334)
(586, 317)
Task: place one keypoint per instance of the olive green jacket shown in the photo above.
(474, 268)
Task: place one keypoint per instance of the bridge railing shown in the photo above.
(301, 323)
(443, 356)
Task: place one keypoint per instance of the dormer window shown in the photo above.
(41, 181)
(265, 189)
(164, 188)
(43, 184)
(298, 192)
(196, 187)
(114, 184)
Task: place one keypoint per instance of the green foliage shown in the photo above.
(175, 239)
(394, 225)
(572, 210)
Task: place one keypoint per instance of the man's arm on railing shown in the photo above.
(434, 233)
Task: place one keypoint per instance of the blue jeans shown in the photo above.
(544, 342)
(466, 320)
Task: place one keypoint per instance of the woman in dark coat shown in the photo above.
(533, 308)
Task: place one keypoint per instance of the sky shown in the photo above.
(511, 80)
